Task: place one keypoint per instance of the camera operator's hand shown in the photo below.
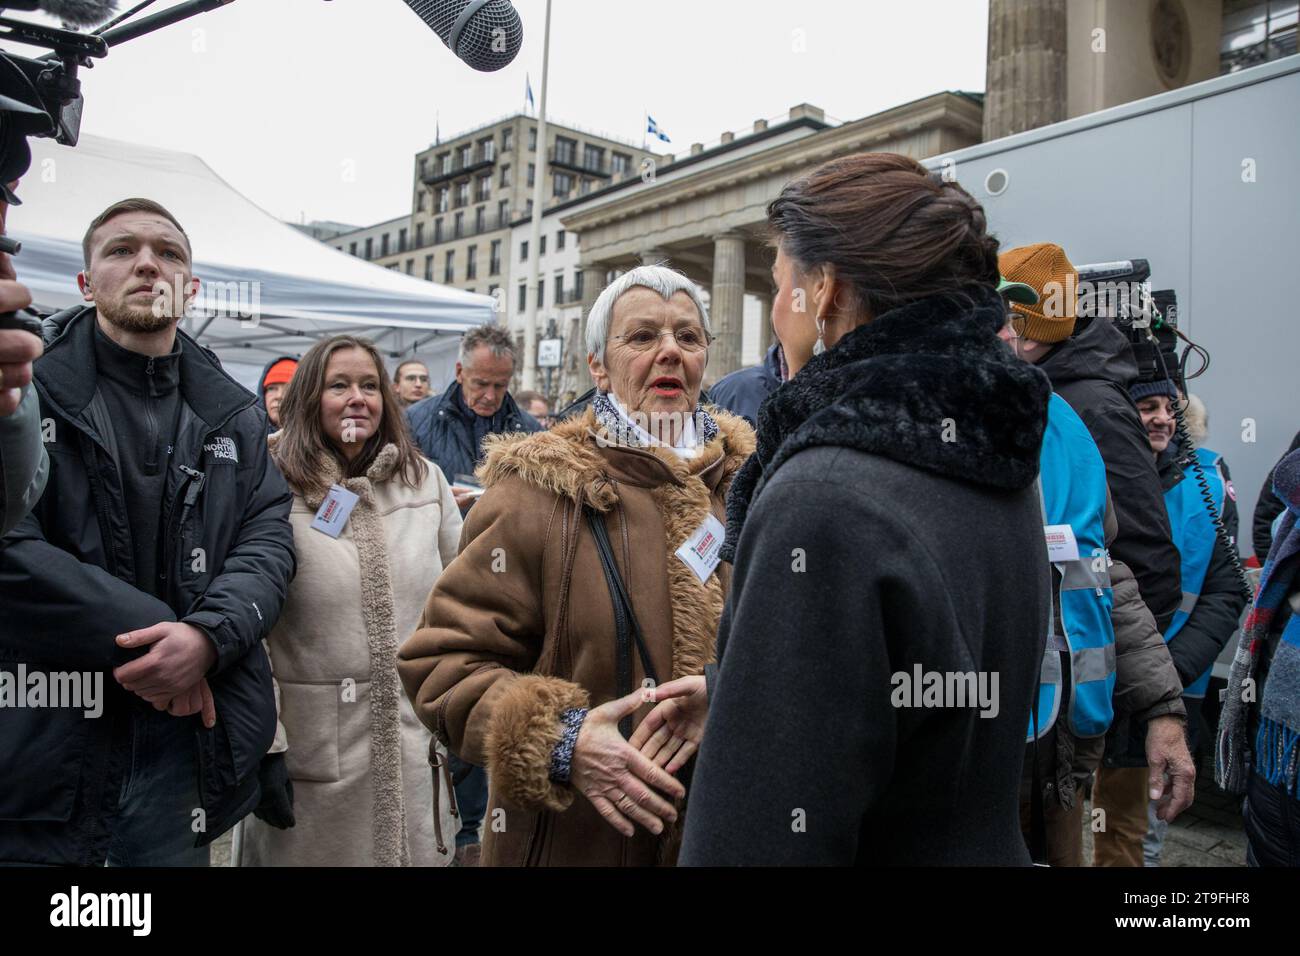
(18, 349)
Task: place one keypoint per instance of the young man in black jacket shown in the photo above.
(150, 570)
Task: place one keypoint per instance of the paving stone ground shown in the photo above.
(1208, 833)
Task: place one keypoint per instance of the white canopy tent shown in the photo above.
(267, 289)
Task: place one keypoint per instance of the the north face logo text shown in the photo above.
(222, 448)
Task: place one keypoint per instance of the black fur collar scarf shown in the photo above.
(928, 384)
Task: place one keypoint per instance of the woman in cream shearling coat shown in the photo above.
(364, 793)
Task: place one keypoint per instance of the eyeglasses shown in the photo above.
(689, 338)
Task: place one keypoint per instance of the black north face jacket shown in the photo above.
(67, 589)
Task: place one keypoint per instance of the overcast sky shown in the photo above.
(282, 97)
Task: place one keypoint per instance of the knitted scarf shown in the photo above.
(1277, 742)
(620, 433)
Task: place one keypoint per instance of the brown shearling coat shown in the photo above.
(521, 627)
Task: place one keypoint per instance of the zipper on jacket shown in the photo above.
(151, 420)
(191, 487)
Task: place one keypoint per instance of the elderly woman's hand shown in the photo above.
(615, 777)
(671, 733)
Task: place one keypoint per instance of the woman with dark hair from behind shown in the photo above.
(374, 523)
(880, 647)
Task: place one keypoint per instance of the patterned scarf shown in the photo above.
(1277, 742)
(621, 434)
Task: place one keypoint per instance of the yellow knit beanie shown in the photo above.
(1045, 267)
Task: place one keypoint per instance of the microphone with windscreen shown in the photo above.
(76, 13)
(486, 34)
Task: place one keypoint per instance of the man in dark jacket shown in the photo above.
(1091, 365)
(270, 387)
(450, 428)
(1267, 508)
(744, 390)
(160, 553)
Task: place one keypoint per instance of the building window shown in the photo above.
(444, 199)
(370, 248)
(528, 209)
(563, 185)
(494, 258)
(383, 245)
(620, 164)
(507, 139)
(532, 138)
(419, 234)
(484, 191)
(480, 219)
(352, 248)
(424, 166)
(503, 213)
(523, 251)
(532, 173)
(458, 229)
(541, 249)
(559, 288)
(471, 262)
(465, 155)
(523, 298)
(541, 293)
(462, 193)
(559, 240)
(419, 201)
(428, 268)
(593, 157)
(410, 266)
(505, 175)
(487, 149)
(437, 231)
(401, 240)
(566, 150)
(577, 285)
(444, 161)
(584, 186)
(449, 267)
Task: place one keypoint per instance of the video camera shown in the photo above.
(1121, 292)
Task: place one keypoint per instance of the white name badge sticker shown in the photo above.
(334, 511)
(1061, 543)
(700, 551)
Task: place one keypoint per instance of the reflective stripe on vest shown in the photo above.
(1193, 533)
(1073, 488)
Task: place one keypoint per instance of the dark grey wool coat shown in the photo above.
(867, 545)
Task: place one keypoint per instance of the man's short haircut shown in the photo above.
(526, 398)
(496, 339)
(132, 205)
(397, 373)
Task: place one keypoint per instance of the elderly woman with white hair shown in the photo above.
(588, 570)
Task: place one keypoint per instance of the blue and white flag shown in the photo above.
(528, 92)
(653, 129)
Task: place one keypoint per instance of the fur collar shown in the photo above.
(329, 472)
(928, 384)
(566, 460)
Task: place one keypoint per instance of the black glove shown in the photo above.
(276, 806)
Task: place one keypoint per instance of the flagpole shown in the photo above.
(535, 232)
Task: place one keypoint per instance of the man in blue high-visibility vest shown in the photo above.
(1212, 596)
(1103, 654)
